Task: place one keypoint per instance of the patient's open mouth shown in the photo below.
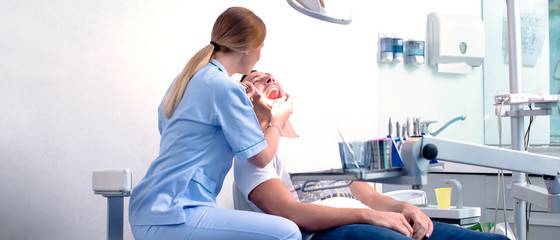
(273, 93)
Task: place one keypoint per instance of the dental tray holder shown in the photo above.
(390, 167)
(373, 161)
(340, 175)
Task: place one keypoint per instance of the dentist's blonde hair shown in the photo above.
(236, 30)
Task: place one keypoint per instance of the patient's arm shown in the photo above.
(272, 197)
(423, 226)
(375, 200)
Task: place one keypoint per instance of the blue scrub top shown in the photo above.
(213, 123)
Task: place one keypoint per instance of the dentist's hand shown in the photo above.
(282, 109)
(250, 89)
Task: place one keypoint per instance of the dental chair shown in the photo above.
(115, 185)
(239, 202)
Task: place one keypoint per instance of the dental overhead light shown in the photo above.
(333, 11)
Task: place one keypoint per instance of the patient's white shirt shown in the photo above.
(247, 177)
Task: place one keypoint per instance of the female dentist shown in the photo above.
(205, 120)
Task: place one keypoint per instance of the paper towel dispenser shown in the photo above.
(455, 39)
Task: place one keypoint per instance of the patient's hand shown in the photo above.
(391, 220)
(422, 224)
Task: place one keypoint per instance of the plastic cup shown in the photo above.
(443, 196)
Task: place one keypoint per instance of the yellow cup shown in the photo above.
(443, 196)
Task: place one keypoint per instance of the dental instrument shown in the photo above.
(390, 128)
(417, 132)
(408, 128)
(399, 136)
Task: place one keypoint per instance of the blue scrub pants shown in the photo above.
(209, 223)
(442, 231)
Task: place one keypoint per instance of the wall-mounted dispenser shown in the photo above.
(397, 50)
(390, 48)
(385, 49)
(455, 42)
(414, 52)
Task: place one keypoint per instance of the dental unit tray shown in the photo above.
(361, 160)
(416, 153)
(376, 160)
(340, 174)
(543, 104)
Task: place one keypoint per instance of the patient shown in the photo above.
(372, 215)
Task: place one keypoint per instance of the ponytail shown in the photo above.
(199, 60)
(236, 30)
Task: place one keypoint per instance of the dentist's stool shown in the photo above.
(115, 185)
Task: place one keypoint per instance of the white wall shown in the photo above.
(409, 91)
(81, 81)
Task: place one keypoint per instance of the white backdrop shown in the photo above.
(81, 81)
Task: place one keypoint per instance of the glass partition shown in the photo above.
(537, 54)
(554, 42)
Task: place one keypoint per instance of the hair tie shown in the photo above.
(216, 46)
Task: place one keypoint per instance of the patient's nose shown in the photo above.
(269, 80)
